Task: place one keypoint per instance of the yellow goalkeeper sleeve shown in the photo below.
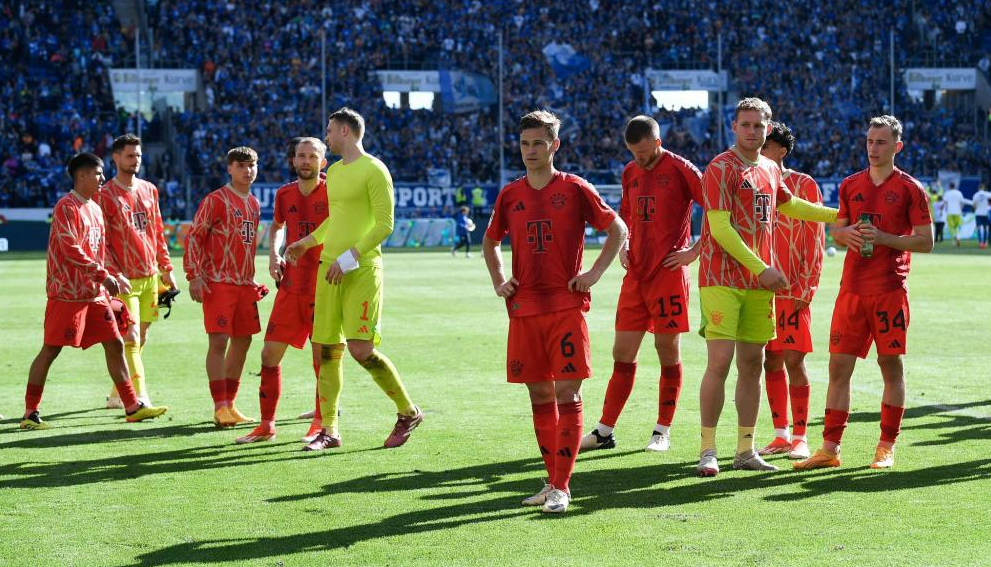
(801, 209)
(727, 237)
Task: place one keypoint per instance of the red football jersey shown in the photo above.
(546, 228)
(798, 244)
(136, 245)
(301, 215)
(76, 250)
(750, 191)
(220, 246)
(895, 206)
(657, 207)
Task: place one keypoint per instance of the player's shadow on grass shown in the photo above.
(56, 437)
(952, 427)
(39, 474)
(485, 493)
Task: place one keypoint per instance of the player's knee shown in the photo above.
(327, 351)
(541, 393)
(891, 366)
(217, 343)
(360, 350)
(668, 351)
(49, 352)
(269, 356)
(114, 346)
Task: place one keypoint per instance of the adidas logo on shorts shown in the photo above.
(790, 340)
(672, 325)
(895, 344)
(569, 369)
(363, 329)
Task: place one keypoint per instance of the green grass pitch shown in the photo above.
(95, 491)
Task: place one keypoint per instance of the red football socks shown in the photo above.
(269, 392)
(670, 389)
(799, 408)
(618, 391)
(127, 396)
(835, 423)
(777, 397)
(232, 385)
(569, 436)
(545, 424)
(32, 398)
(891, 422)
(218, 391)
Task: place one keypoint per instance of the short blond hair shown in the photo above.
(541, 119)
(753, 103)
(891, 122)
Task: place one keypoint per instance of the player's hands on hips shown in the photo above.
(624, 258)
(198, 289)
(124, 284)
(275, 267)
(295, 251)
(773, 279)
(849, 236)
(112, 287)
(679, 258)
(800, 304)
(507, 288)
(168, 280)
(584, 281)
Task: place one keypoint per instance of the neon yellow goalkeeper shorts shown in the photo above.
(745, 315)
(349, 310)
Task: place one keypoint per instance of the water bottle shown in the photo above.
(867, 250)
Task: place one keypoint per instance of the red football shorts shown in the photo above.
(548, 347)
(79, 324)
(859, 320)
(231, 310)
(657, 305)
(291, 321)
(793, 328)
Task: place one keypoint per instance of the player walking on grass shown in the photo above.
(887, 210)
(136, 247)
(220, 266)
(737, 280)
(798, 246)
(658, 190)
(300, 207)
(349, 288)
(80, 287)
(544, 213)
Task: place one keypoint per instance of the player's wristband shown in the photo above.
(347, 261)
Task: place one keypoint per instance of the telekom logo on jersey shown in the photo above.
(538, 233)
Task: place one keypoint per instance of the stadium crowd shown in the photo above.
(814, 63)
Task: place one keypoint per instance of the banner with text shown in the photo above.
(160, 80)
(687, 80)
(937, 79)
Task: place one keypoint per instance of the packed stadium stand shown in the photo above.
(824, 68)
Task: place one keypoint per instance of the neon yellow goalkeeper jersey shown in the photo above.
(361, 204)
